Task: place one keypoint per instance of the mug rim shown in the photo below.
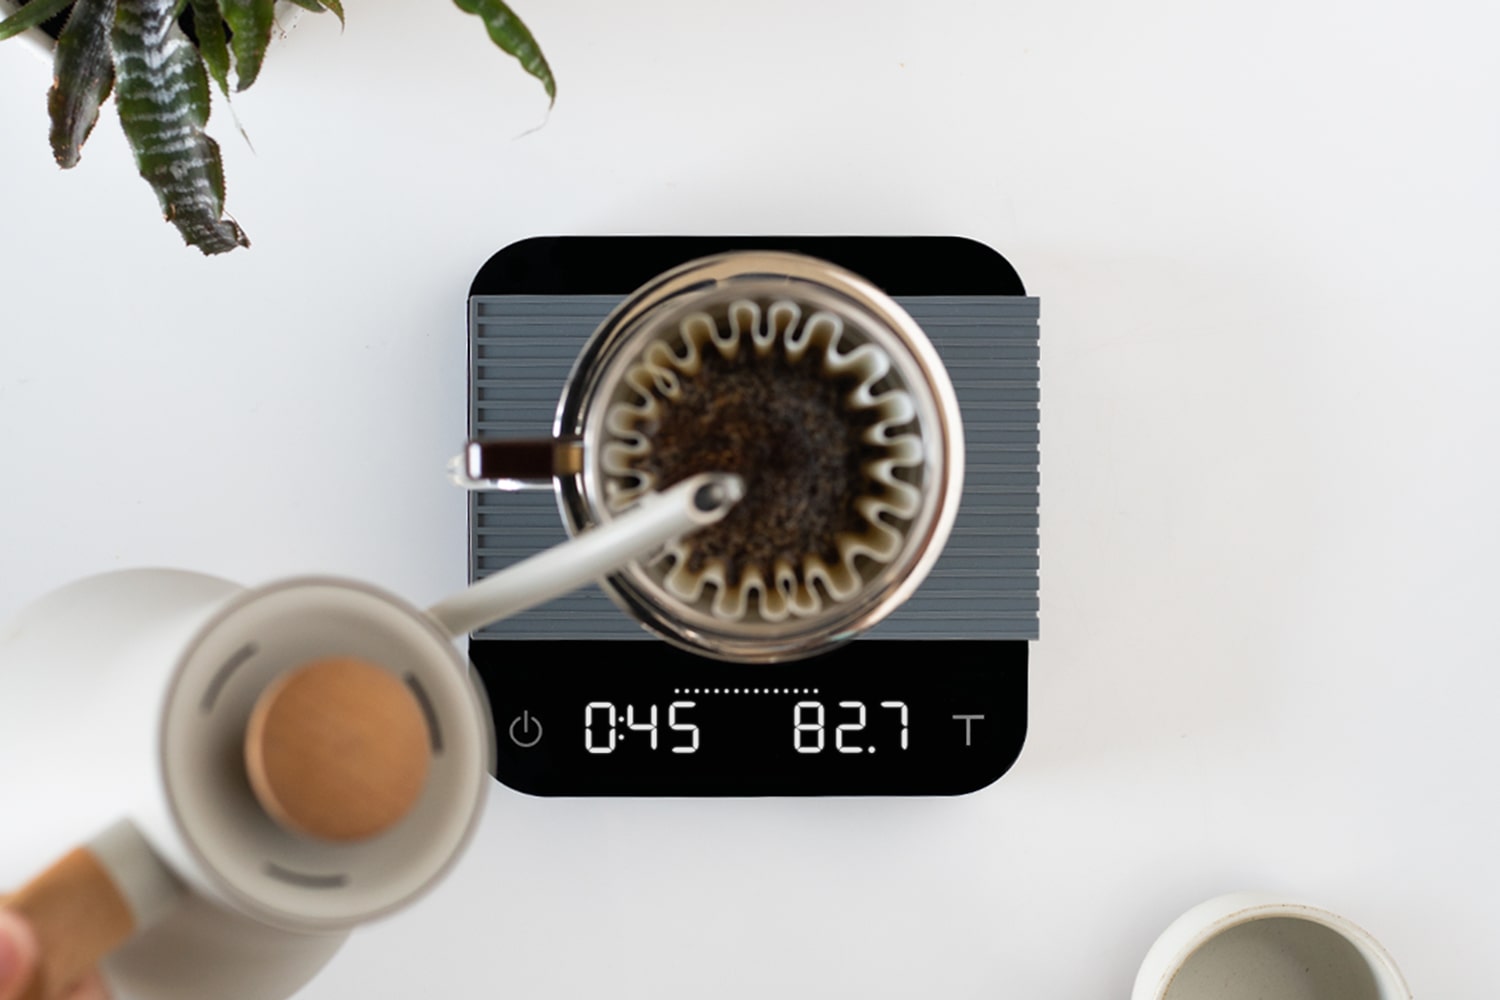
(1190, 932)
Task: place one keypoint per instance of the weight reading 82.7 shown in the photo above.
(605, 727)
(810, 730)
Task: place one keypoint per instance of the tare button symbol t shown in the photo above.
(968, 721)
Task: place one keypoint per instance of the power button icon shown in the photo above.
(526, 730)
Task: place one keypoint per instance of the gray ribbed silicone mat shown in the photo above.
(983, 587)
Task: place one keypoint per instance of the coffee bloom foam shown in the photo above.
(887, 500)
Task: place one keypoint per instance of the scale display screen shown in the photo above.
(644, 718)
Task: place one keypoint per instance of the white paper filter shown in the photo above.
(887, 500)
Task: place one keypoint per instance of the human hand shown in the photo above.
(18, 958)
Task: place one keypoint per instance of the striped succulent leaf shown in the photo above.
(213, 40)
(507, 31)
(162, 95)
(250, 23)
(30, 16)
(319, 6)
(83, 73)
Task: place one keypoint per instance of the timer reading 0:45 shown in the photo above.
(601, 726)
(603, 722)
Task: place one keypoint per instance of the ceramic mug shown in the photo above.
(1252, 945)
(805, 379)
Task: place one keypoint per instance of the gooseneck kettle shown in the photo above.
(250, 772)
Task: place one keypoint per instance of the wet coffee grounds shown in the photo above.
(787, 430)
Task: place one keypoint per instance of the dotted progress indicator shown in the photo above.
(705, 691)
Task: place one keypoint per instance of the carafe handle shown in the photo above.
(512, 464)
(91, 901)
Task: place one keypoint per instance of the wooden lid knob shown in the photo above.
(338, 750)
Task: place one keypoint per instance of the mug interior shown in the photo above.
(1287, 955)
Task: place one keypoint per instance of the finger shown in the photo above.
(18, 953)
(90, 987)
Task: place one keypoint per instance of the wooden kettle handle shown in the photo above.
(79, 917)
(89, 903)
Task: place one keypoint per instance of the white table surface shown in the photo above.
(1265, 242)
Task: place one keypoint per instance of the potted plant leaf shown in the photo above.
(158, 57)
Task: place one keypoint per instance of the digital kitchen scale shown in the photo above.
(932, 701)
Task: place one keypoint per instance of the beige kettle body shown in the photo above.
(245, 774)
